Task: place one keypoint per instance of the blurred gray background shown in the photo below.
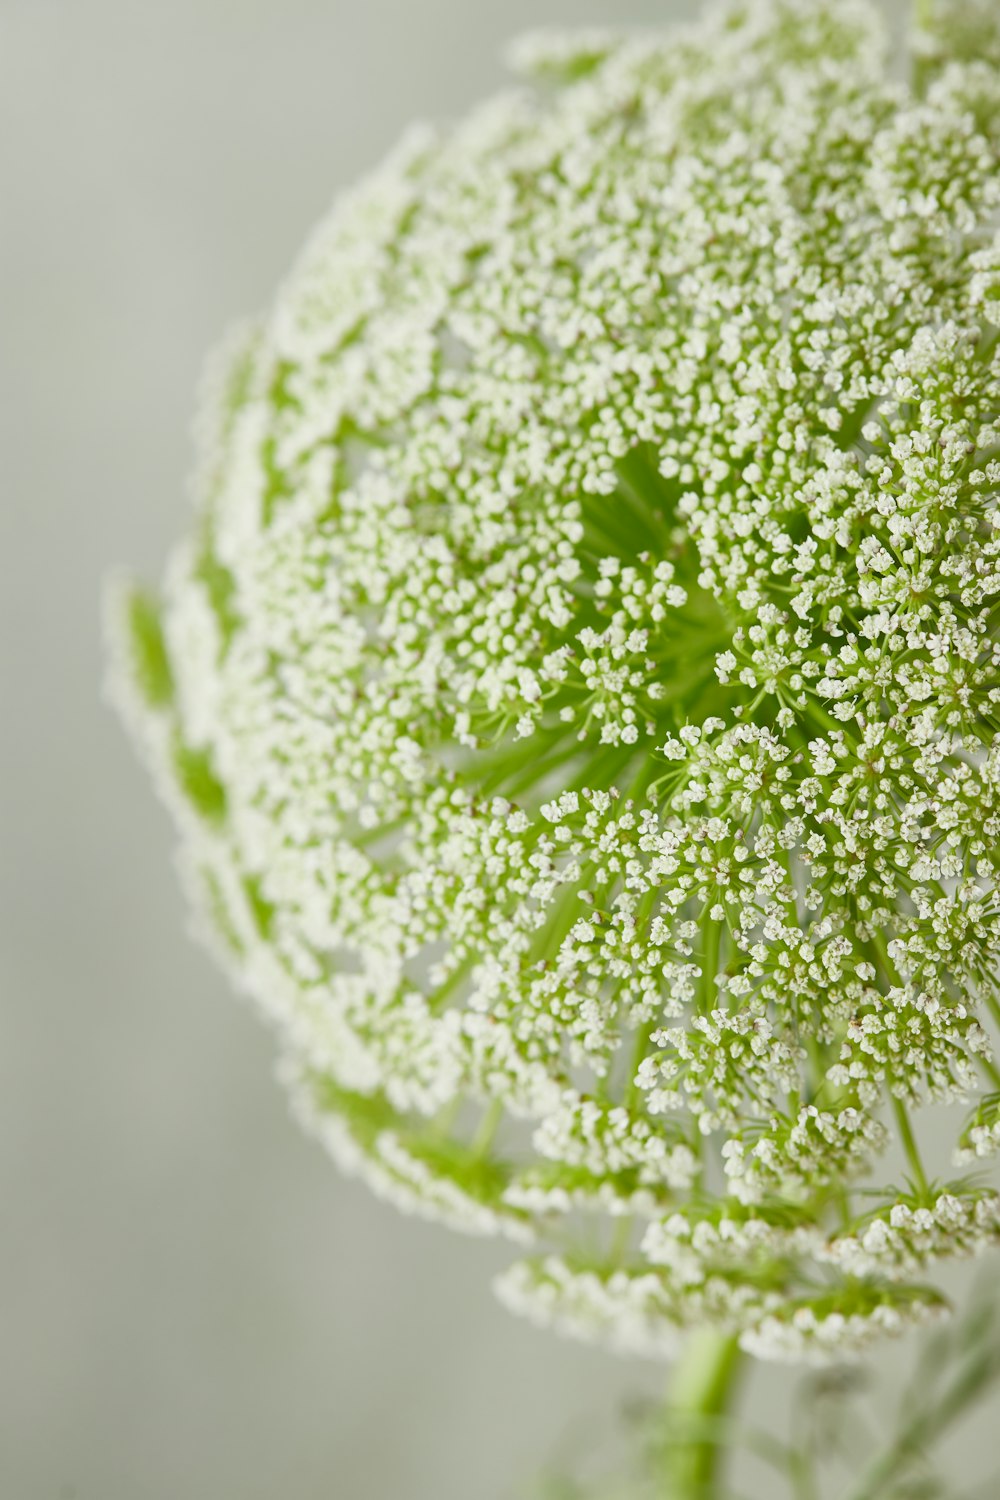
(192, 1302)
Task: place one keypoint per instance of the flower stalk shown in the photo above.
(702, 1390)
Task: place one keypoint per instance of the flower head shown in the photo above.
(579, 692)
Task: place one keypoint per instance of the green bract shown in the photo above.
(579, 693)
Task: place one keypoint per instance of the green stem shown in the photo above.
(711, 945)
(701, 1391)
(488, 1125)
(991, 1070)
(909, 1144)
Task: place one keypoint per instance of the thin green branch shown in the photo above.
(909, 1144)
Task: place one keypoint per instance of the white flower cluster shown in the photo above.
(816, 1333)
(579, 694)
(902, 1240)
(633, 1311)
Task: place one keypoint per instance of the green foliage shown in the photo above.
(151, 664)
(198, 782)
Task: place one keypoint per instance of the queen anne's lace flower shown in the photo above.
(579, 692)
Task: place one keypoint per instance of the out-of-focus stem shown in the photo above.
(701, 1391)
